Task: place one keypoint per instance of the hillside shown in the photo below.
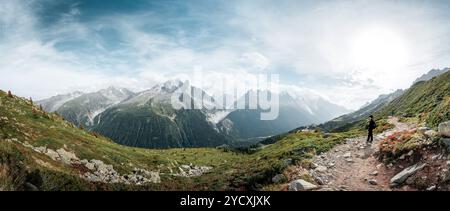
(410, 151)
(82, 109)
(340, 123)
(42, 151)
(431, 74)
(143, 127)
(426, 100)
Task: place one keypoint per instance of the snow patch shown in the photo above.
(216, 116)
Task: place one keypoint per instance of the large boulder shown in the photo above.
(298, 185)
(407, 172)
(444, 129)
(52, 154)
(66, 156)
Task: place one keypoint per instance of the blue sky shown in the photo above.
(347, 51)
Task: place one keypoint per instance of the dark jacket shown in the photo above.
(372, 125)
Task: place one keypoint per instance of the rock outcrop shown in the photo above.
(192, 170)
(444, 129)
(407, 172)
(97, 170)
(299, 185)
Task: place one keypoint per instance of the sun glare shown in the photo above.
(379, 49)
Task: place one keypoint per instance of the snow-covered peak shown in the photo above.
(54, 103)
(115, 94)
(160, 92)
(168, 86)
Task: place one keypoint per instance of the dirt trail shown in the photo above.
(353, 166)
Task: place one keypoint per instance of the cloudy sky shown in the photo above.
(347, 51)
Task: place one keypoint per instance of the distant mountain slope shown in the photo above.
(426, 95)
(431, 74)
(53, 103)
(427, 100)
(292, 114)
(82, 109)
(149, 120)
(361, 113)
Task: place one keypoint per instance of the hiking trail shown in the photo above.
(353, 166)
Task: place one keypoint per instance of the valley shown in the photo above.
(148, 119)
(42, 150)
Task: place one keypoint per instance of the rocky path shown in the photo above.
(353, 166)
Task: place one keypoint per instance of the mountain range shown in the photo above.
(147, 118)
(362, 113)
(293, 112)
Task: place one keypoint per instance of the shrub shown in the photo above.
(383, 125)
(56, 181)
(35, 113)
(12, 171)
(394, 145)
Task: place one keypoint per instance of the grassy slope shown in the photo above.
(231, 169)
(428, 101)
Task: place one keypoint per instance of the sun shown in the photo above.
(379, 49)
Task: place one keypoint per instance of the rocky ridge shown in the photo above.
(95, 170)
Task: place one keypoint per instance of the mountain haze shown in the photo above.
(148, 119)
(293, 112)
(83, 109)
(54, 103)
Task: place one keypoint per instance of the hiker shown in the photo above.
(370, 128)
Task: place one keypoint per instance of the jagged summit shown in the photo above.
(168, 86)
(431, 74)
